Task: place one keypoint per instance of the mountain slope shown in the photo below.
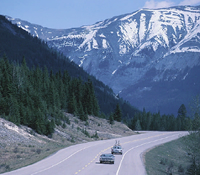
(17, 43)
(150, 57)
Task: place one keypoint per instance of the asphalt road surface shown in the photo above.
(83, 159)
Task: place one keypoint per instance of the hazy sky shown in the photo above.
(63, 14)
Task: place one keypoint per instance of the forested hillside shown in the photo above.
(36, 99)
(32, 74)
(17, 44)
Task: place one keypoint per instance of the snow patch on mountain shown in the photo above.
(142, 27)
(105, 44)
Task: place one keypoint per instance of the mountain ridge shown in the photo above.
(140, 49)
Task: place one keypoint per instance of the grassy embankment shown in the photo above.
(170, 158)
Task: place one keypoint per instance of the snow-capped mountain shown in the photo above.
(150, 57)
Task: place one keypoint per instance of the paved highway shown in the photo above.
(83, 159)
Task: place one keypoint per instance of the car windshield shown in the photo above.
(117, 147)
(106, 155)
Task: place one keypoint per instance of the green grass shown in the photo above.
(167, 158)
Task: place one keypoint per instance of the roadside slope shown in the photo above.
(21, 146)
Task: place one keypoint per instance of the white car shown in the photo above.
(116, 149)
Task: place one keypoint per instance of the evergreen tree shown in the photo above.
(117, 113)
(62, 94)
(87, 99)
(196, 122)
(14, 114)
(40, 123)
(95, 106)
(53, 97)
(23, 114)
(138, 126)
(143, 119)
(149, 121)
(45, 82)
(181, 118)
(156, 121)
(72, 104)
(172, 126)
(6, 82)
(133, 121)
(94, 102)
(111, 119)
(81, 113)
(50, 128)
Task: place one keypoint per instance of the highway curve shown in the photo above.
(83, 159)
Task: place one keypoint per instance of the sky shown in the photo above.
(64, 14)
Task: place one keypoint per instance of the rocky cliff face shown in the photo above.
(150, 57)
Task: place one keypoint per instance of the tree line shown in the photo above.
(182, 122)
(157, 122)
(37, 98)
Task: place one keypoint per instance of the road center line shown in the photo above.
(94, 159)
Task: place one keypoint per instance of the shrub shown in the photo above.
(180, 169)
(163, 161)
(64, 125)
(95, 135)
(85, 132)
(72, 140)
(18, 156)
(67, 120)
(7, 167)
(38, 151)
(86, 123)
(15, 150)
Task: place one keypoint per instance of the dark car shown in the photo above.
(107, 158)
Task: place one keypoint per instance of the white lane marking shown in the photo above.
(60, 161)
(120, 164)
